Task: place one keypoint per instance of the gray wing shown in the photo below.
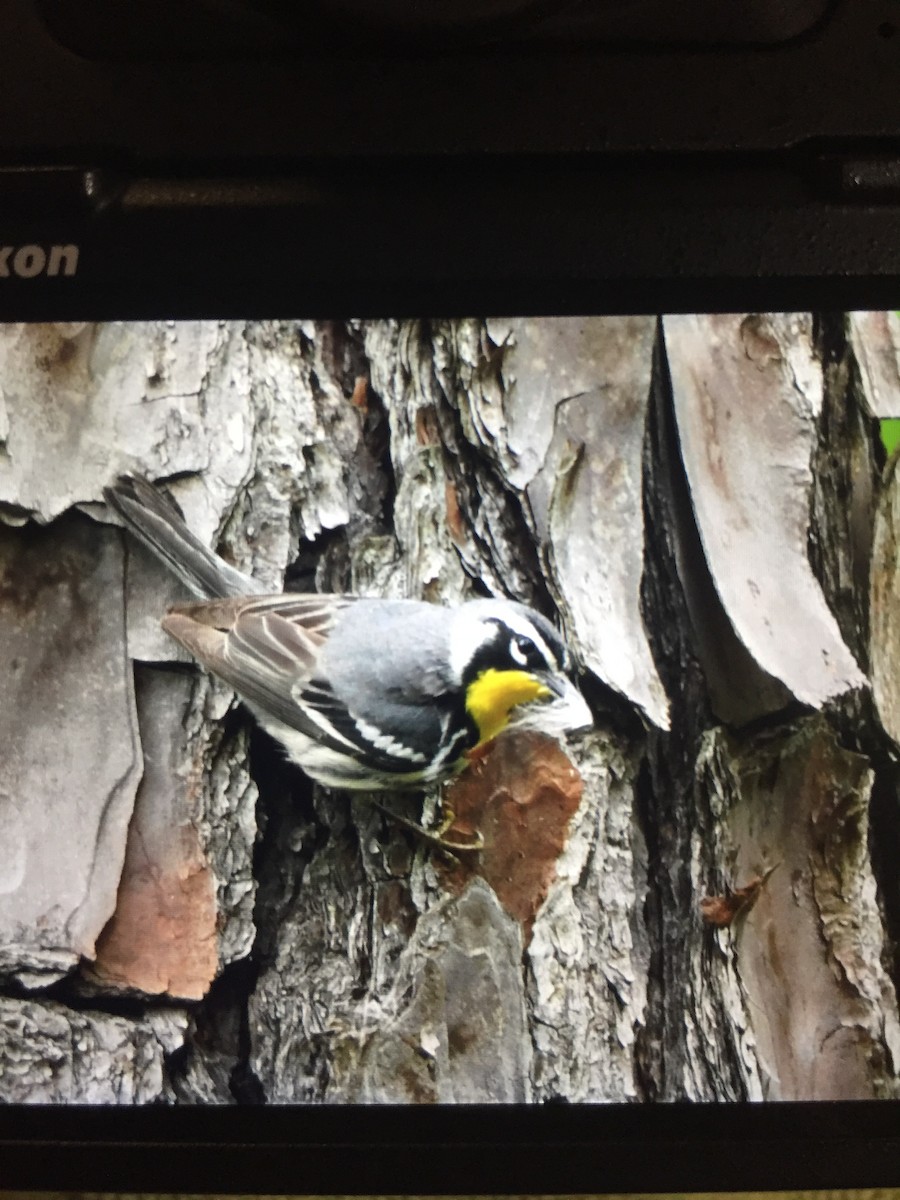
(366, 695)
(266, 647)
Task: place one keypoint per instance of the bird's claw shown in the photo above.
(435, 837)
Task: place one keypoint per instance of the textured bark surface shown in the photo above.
(697, 900)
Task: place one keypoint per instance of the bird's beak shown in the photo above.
(573, 707)
(564, 711)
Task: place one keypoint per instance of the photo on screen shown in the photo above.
(614, 819)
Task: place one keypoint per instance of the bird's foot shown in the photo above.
(435, 837)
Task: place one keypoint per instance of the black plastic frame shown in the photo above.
(504, 179)
(443, 1151)
(499, 181)
(398, 238)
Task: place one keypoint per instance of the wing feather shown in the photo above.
(261, 645)
(267, 648)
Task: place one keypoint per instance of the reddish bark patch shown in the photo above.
(162, 936)
(360, 396)
(455, 523)
(521, 796)
(722, 910)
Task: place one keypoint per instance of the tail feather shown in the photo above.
(156, 520)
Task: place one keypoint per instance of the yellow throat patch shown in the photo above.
(494, 693)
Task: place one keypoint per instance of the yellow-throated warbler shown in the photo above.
(363, 693)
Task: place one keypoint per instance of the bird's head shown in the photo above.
(515, 669)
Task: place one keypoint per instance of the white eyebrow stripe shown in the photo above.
(472, 631)
(521, 625)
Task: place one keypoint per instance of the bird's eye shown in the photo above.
(521, 650)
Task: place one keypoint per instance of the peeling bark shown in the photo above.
(694, 502)
(71, 759)
(185, 902)
(805, 963)
(749, 470)
(875, 337)
(885, 644)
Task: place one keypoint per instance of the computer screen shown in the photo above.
(336, 847)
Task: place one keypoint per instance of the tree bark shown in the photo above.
(697, 900)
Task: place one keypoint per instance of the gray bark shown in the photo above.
(698, 900)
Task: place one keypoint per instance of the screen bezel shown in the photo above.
(557, 1149)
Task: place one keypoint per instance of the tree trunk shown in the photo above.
(697, 900)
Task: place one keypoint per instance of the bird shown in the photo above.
(363, 693)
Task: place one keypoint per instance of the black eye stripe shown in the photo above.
(525, 652)
(508, 647)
